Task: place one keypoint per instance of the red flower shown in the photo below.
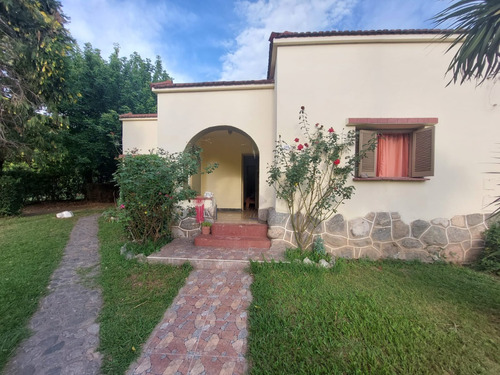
(296, 139)
(306, 144)
(300, 147)
(330, 130)
(317, 124)
(336, 162)
(302, 107)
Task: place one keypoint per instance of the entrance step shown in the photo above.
(235, 236)
(182, 250)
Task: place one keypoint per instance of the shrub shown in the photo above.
(49, 183)
(489, 259)
(151, 186)
(11, 198)
(311, 175)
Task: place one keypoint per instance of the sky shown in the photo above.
(214, 40)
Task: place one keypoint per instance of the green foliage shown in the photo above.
(319, 246)
(54, 181)
(477, 23)
(489, 259)
(206, 224)
(135, 297)
(33, 61)
(299, 254)
(101, 90)
(11, 198)
(311, 176)
(151, 186)
(382, 317)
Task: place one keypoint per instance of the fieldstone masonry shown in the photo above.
(186, 226)
(385, 235)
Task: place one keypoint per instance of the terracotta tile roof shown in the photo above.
(290, 34)
(138, 115)
(170, 84)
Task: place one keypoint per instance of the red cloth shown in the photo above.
(392, 155)
(200, 208)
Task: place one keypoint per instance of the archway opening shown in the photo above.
(235, 183)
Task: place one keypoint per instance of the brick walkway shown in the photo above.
(205, 329)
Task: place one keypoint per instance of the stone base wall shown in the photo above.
(187, 226)
(385, 235)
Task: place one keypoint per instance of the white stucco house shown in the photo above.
(378, 82)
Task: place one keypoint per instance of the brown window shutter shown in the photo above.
(367, 165)
(422, 153)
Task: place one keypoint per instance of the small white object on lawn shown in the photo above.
(64, 214)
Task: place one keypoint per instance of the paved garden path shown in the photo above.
(205, 329)
(65, 333)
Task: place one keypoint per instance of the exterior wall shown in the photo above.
(388, 80)
(386, 235)
(140, 134)
(182, 114)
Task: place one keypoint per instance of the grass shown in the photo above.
(30, 249)
(135, 297)
(373, 317)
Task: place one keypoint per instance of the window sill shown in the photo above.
(405, 179)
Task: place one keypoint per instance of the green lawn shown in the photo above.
(30, 249)
(135, 298)
(373, 318)
(135, 295)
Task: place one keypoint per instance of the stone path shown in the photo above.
(65, 333)
(205, 329)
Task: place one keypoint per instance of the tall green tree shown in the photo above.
(104, 88)
(33, 53)
(477, 23)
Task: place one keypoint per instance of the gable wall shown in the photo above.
(338, 81)
(139, 134)
(183, 114)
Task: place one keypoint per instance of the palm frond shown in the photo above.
(477, 23)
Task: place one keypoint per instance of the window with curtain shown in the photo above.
(393, 155)
(399, 153)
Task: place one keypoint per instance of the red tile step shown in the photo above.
(240, 230)
(235, 236)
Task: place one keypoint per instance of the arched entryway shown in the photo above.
(235, 183)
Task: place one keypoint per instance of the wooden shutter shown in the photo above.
(422, 152)
(367, 165)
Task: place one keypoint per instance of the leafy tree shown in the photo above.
(477, 23)
(33, 54)
(104, 89)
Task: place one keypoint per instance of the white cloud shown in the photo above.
(137, 26)
(249, 59)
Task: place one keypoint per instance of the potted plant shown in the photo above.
(205, 227)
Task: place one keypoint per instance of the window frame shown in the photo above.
(421, 148)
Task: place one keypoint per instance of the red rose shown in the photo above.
(336, 162)
(330, 130)
(296, 139)
(317, 124)
(300, 147)
(305, 144)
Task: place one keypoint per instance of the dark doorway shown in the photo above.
(250, 181)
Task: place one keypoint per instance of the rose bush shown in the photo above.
(312, 178)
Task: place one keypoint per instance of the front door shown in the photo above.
(250, 181)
